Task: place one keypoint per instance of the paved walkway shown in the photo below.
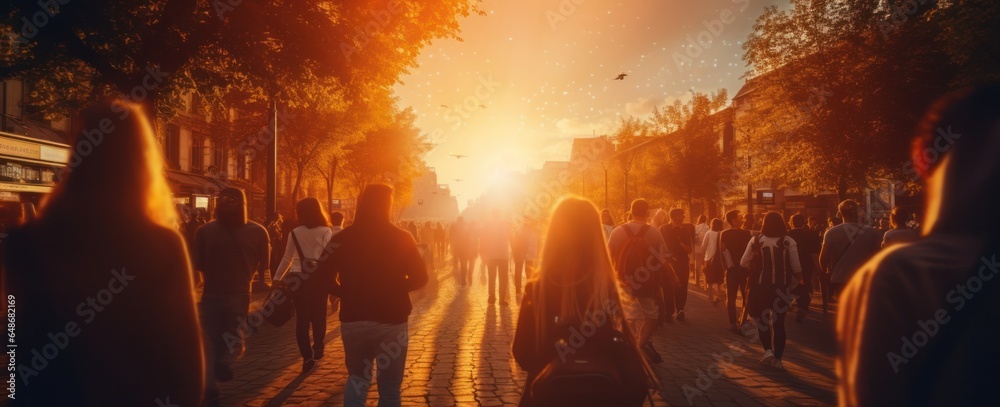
(459, 354)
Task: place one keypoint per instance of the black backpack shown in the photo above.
(602, 370)
(638, 280)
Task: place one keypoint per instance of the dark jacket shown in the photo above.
(375, 267)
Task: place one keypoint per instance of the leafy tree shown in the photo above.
(155, 51)
(840, 85)
(391, 154)
(691, 165)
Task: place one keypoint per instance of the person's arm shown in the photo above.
(748, 254)
(824, 251)
(414, 267)
(523, 347)
(286, 259)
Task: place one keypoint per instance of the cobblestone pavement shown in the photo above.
(459, 354)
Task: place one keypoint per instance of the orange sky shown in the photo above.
(532, 75)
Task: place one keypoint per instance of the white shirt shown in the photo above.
(709, 244)
(313, 242)
(699, 236)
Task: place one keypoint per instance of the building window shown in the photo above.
(220, 158)
(241, 166)
(172, 146)
(197, 152)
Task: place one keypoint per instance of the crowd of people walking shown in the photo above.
(582, 274)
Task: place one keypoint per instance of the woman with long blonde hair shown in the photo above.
(102, 280)
(571, 317)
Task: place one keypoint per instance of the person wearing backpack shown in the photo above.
(773, 260)
(639, 256)
(305, 247)
(572, 336)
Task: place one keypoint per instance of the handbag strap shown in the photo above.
(298, 248)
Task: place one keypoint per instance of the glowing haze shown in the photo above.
(532, 75)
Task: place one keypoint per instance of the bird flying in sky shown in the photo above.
(458, 156)
(621, 76)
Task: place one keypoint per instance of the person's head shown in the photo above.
(115, 170)
(773, 226)
(231, 207)
(955, 151)
(575, 265)
(337, 219)
(374, 205)
(734, 218)
(428, 224)
(813, 222)
(310, 213)
(717, 224)
(196, 214)
(677, 215)
(606, 217)
(639, 210)
(702, 219)
(848, 211)
(660, 217)
(898, 217)
(797, 221)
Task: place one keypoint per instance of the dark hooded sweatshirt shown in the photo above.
(375, 263)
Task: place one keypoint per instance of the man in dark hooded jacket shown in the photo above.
(376, 265)
(227, 251)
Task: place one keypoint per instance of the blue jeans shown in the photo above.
(368, 343)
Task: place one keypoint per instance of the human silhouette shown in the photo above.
(576, 288)
(917, 324)
(227, 251)
(298, 272)
(105, 300)
(773, 260)
(376, 265)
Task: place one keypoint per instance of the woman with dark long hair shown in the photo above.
(306, 244)
(773, 260)
(575, 287)
(104, 271)
(376, 265)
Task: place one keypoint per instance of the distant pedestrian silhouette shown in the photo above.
(104, 295)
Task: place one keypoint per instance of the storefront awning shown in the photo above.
(13, 187)
(182, 182)
(247, 187)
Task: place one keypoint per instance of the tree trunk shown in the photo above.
(298, 183)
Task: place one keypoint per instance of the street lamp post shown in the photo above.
(271, 191)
